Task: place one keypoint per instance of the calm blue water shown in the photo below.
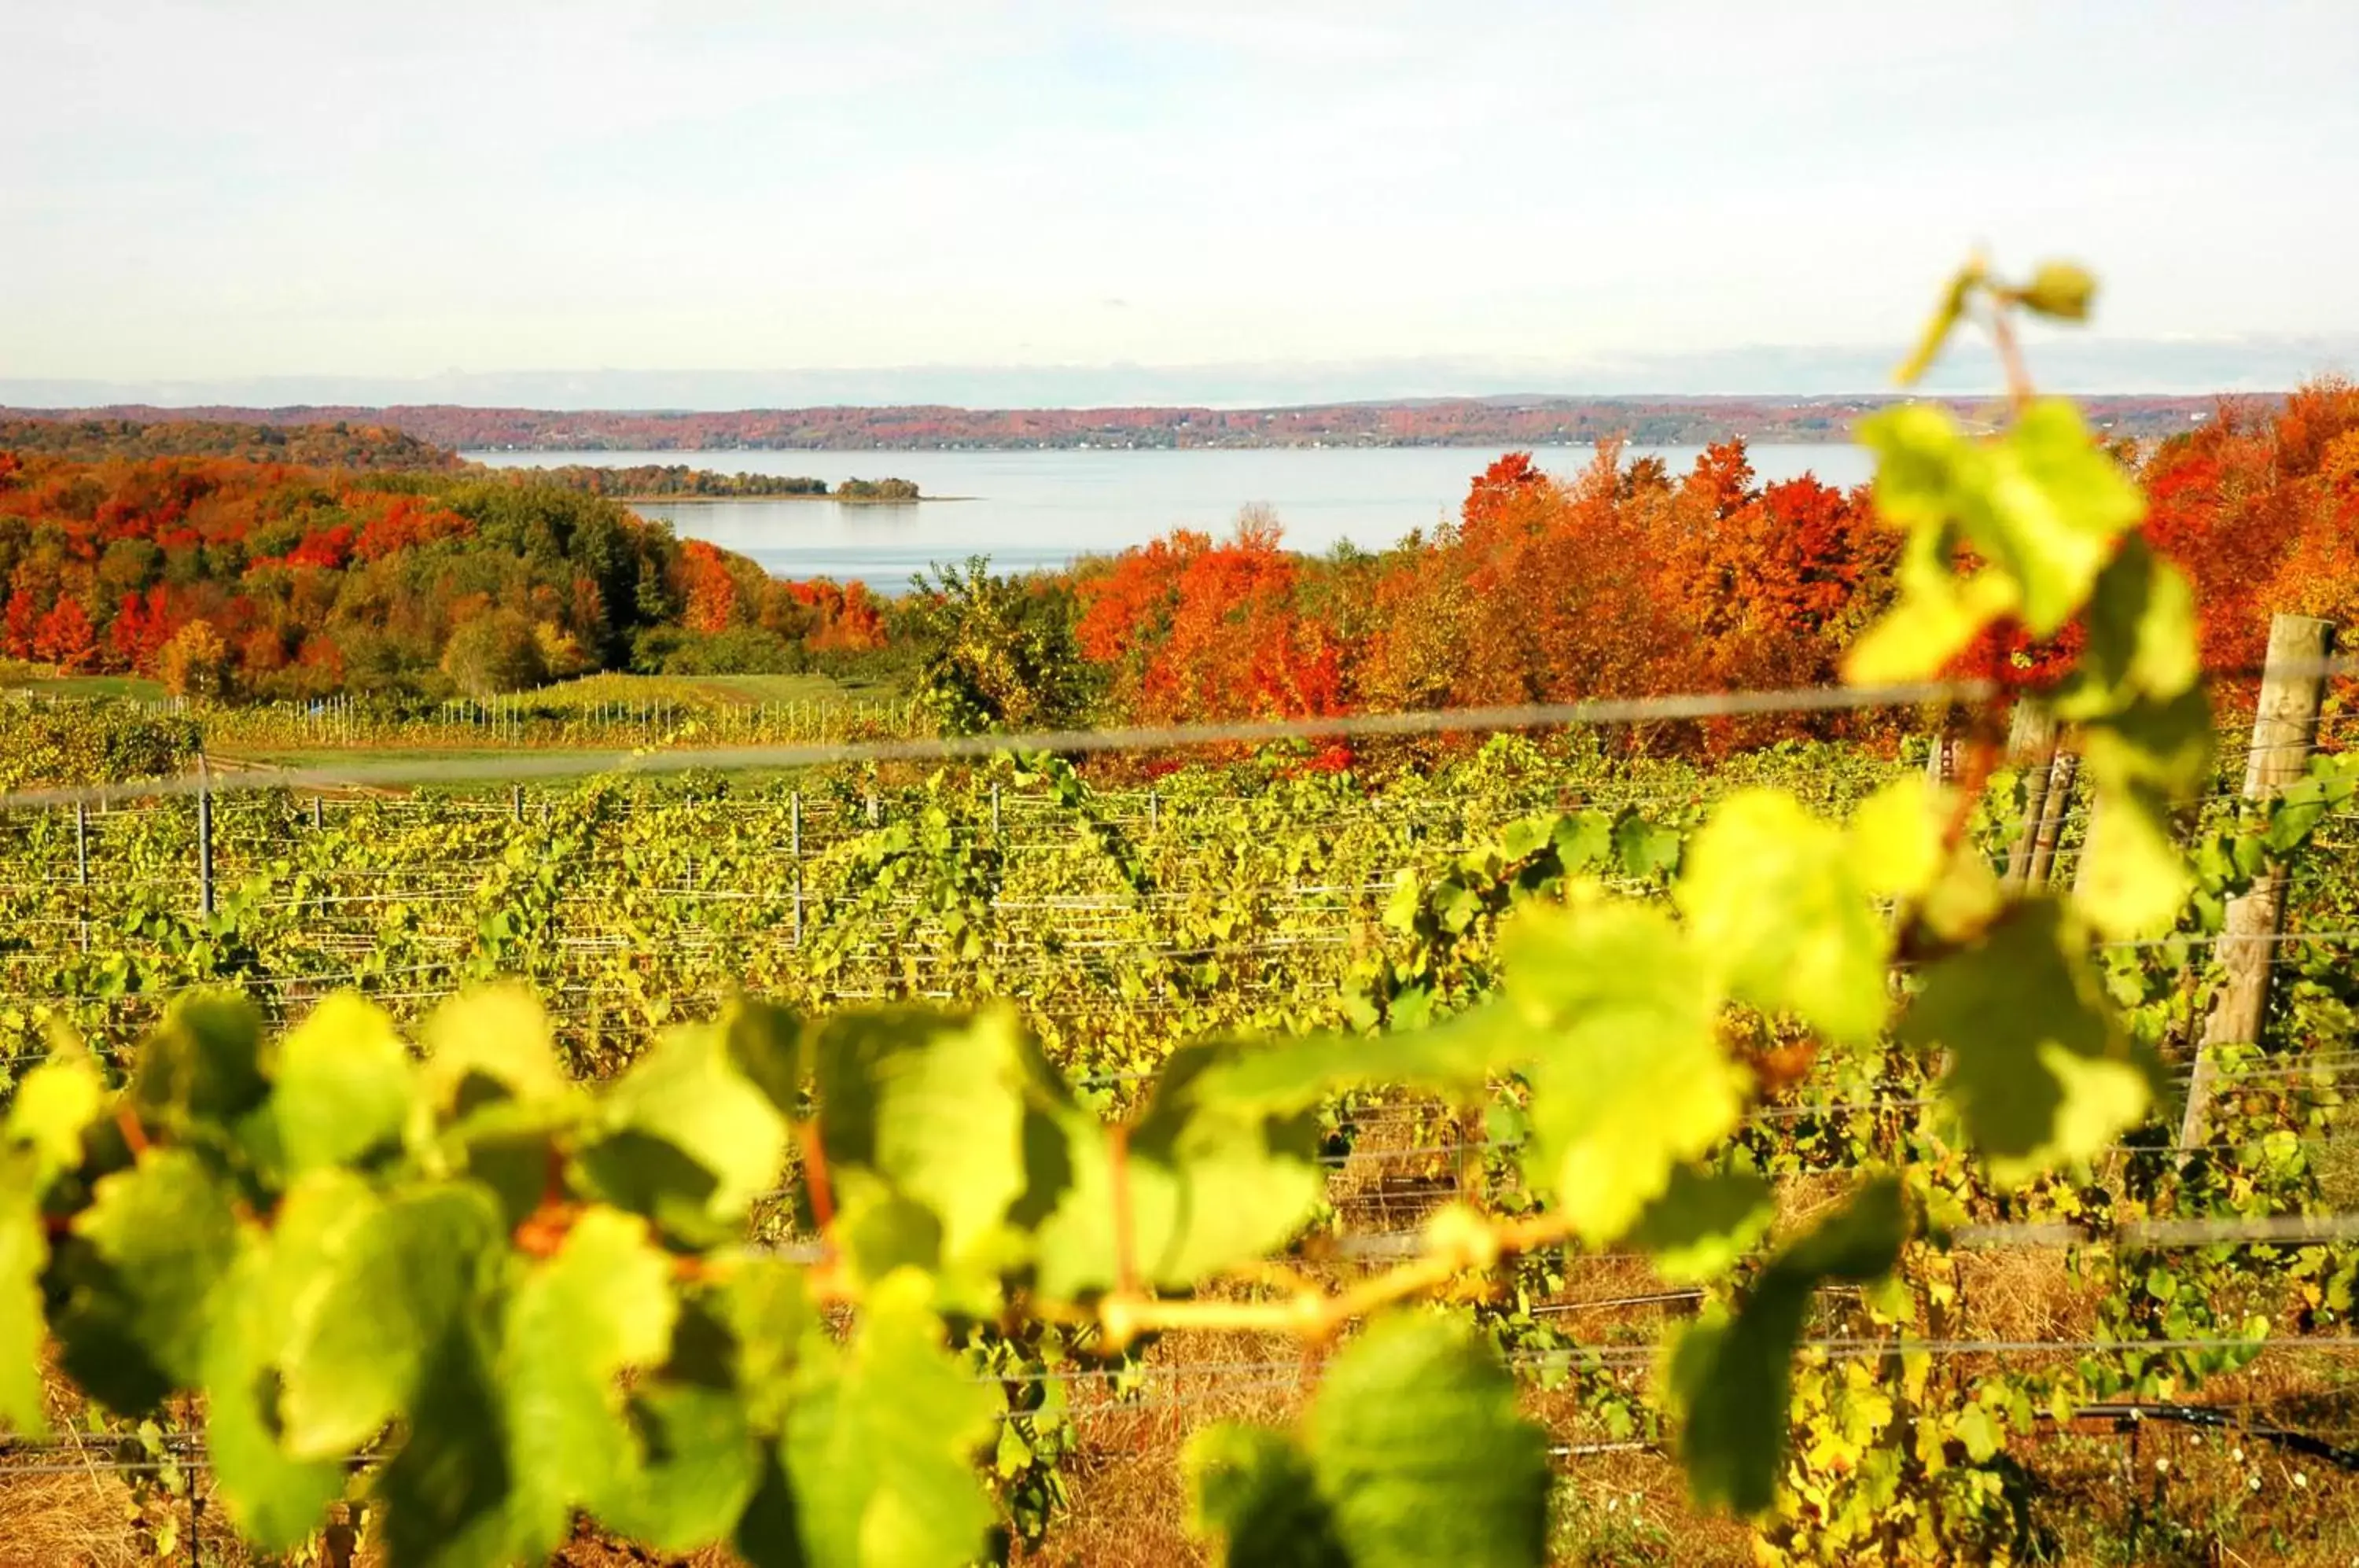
(1034, 509)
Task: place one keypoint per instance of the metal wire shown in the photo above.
(1520, 716)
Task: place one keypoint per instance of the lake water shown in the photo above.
(1030, 509)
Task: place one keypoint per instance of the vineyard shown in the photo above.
(1548, 1134)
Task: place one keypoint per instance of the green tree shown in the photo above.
(497, 652)
(999, 652)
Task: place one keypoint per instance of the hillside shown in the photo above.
(226, 576)
(1462, 422)
(338, 443)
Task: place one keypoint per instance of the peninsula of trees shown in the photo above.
(677, 481)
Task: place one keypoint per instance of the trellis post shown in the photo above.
(2284, 731)
(2064, 774)
(204, 836)
(2030, 745)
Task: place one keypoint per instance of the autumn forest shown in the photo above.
(321, 559)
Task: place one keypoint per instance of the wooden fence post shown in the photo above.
(2061, 777)
(2030, 745)
(1941, 762)
(204, 836)
(795, 848)
(2285, 729)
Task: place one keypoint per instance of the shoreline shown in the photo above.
(733, 500)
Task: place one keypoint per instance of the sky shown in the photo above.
(640, 202)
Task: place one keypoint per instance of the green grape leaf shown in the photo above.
(1937, 615)
(1731, 1378)
(2132, 880)
(1417, 1446)
(1703, 1223)
(1895, 838)
(1583, 839)
(766, 1307)
(1618, 1016)
(2042, 506)
(692, 1472)
(1413, 1453)
(2146, 741)
(491, 1044)
(2142, 637)
(24, 1253)
(393, 1282)
(1214, 1179)
(276, 1498)
(1280, 1077)
(2047, 510)
(2059, 289)
(1771, 890)
(345, 1085)
(139, 1271)
(2039, 1066)
(1251, 1491)
(54, 1103)
(1645, 849)
(1944, 320)
(924, 1120)
(881, 1441)
(510, 1147)
(688, 1140)
(201, 1070)
(600, 1307)
(766, 1043)
(446, 1490)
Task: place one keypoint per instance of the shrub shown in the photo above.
(497, 652)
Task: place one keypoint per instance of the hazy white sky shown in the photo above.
(206, 192)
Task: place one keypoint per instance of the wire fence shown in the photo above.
(1233, 1378)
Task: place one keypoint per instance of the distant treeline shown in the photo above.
(341, 445)
(332, 444)
(1532, 421)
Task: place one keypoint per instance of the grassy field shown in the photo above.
(710, 691)
(17, 677)
(687, 690)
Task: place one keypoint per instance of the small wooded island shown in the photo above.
(676, 481)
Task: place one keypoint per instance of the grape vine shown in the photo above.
(462, 1273)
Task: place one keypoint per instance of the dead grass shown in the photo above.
(66, 1521)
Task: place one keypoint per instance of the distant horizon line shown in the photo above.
(1501, 399)
(2081, 366)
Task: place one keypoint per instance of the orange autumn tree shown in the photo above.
(1546, 590)
(2263, 512)
(1199, 630)
(1773, 582)
(707, 588)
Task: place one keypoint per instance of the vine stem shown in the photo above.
(2010, 356)
(1460, 1242)
(823, 1197)
(1125, 1261)
(135, 1137)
